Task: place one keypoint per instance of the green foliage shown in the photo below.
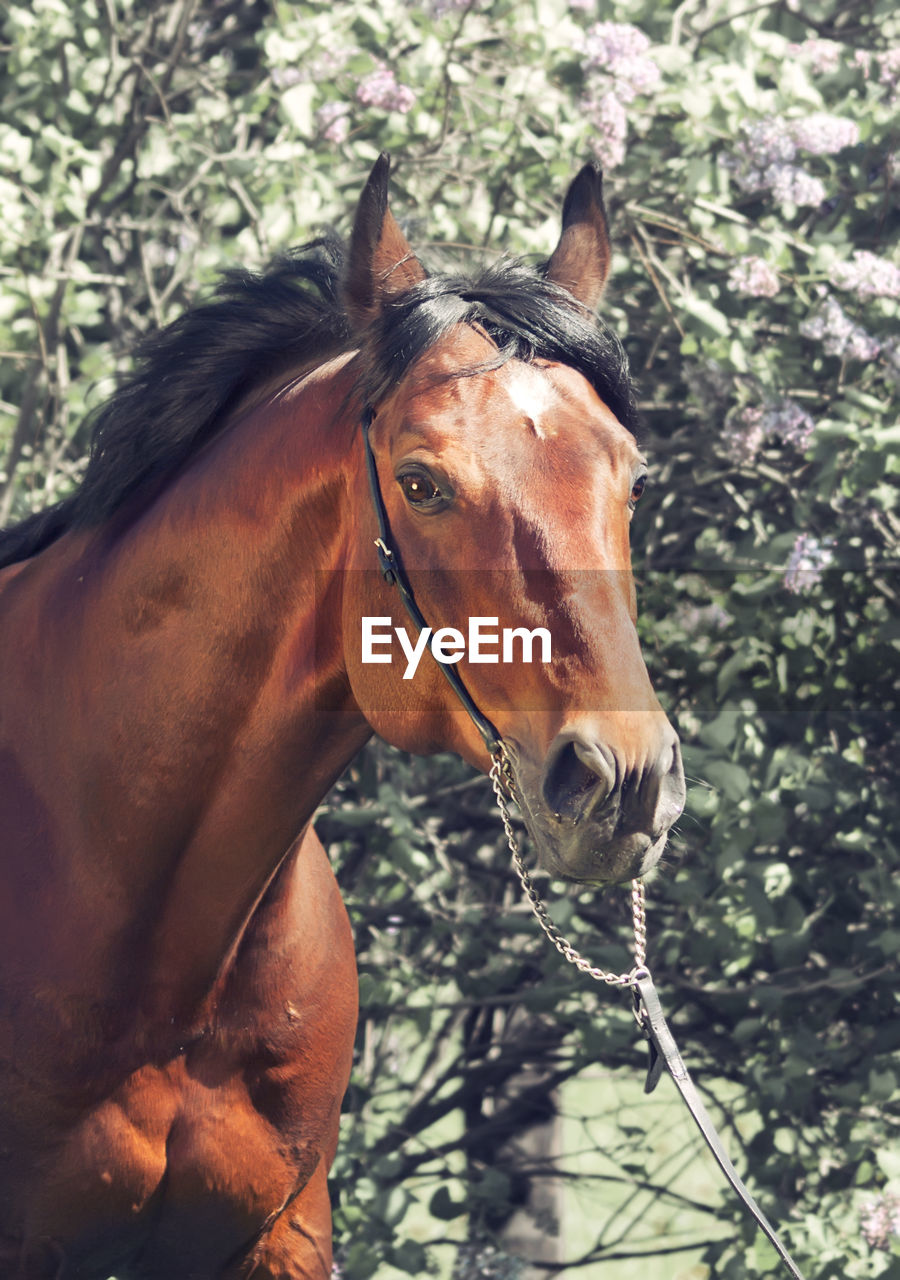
(145, 147)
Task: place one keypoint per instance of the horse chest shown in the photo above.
(175, 1172)
(178, 1164)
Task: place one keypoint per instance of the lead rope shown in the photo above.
(647, 1009)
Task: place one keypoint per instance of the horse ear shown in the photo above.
(381, 264)
(580, 262)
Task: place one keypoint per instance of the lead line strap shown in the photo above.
(663, 1042)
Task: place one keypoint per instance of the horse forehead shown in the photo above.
(459, 398)
(553, 402)
(532, 394)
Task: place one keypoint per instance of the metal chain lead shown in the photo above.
(647, 1012)
(500, 773)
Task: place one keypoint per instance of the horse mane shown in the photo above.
(527, 317)
(192, 372)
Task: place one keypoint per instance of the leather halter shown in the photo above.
(395, 575)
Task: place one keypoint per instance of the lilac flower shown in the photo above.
(284, 77)
(765, 154)
(329, 64)
(767, 142)
(747, 430)
(785, 419)
(754, 278)
(619, 50)
(807, 562)
(879, 1220)
(792, 185)
(607, 44)
(831, 325)
(617, 69)
(333, 122)
(824, 135)
(888, 64)
(868, 276)
(607, 115)
(743, 434)
(821, 56)
(889, 69)
(380, 89)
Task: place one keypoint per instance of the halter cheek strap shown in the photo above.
(395, 575)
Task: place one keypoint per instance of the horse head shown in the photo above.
(500, 415)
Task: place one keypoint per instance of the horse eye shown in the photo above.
(418, 489)
(637, 489)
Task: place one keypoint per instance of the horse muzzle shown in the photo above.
(599, 811)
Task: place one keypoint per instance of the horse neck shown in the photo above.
(197, 650)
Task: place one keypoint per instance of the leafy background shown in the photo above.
(494, 1126)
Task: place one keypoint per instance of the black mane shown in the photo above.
(528, 317)
(192, 372)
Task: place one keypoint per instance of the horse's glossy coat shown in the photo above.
(181, 685)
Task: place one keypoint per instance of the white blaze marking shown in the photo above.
(531, 393)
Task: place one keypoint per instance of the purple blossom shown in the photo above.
(608, 118)
(792, 185)
(326, 66)
(743, 434)
(888, 64)
(608, 43)
(617, 69)
(284, 77)
(619, 50)
(831, 325)
(821, 56)
(868, 276)
(785, 418)
(765, 155)
(333, 122)
(380, 89)
(754, 278)
(747, 430)
(824, 135)
(807, 562)
(330, 62)
(889, 69)
(879, 1220)
(767, 142)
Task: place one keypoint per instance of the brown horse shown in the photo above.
(182, 682)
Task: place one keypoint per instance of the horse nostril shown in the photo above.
(577, 771)
(670, 790)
